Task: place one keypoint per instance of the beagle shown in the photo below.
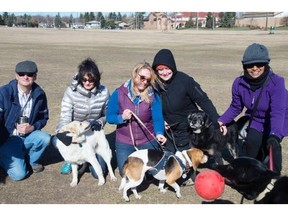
(163, 165)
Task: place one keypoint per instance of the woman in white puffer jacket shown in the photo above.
(85, 99)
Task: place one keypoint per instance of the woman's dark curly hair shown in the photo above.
(88, 67)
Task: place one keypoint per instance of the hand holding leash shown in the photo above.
(127, 114)
(222, 128)
(162, 139)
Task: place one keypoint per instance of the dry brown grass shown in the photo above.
(211, 57)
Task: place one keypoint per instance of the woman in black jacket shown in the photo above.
(181, 95)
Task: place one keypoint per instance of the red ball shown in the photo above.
(209, 184)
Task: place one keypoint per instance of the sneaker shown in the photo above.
(37, 168)
(66, 168)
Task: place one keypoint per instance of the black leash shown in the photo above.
(170, 136)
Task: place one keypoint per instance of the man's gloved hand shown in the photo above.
(95, 125)
(273, 141)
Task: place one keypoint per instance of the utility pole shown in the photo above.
(197, 20)
(266, 25)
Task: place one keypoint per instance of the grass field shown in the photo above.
(213, 58)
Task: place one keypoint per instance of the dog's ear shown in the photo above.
(74, 129)
(66, 140)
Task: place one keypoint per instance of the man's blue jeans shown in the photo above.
(15, 149)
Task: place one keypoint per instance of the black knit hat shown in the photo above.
(26, 67)
(255, 53)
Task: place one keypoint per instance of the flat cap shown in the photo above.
(26, 67)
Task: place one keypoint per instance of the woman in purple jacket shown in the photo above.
(270, 120)
(136, 96)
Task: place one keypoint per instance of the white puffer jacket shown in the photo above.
(80, 104)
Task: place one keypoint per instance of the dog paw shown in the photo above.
(178, 195)
(101, 181)
(113, 178)
(138, 196)
(126, 198)
(163, 190)
(73, 184)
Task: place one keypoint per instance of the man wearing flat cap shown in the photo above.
(23, 113)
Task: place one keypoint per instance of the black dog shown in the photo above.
(207, 137)
(255, 181)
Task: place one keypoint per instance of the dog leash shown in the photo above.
(131, 134)
(144, 126)
(170, 135)
(271, 158)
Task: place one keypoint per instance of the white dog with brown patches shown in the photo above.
(82, 146)
(163, 165)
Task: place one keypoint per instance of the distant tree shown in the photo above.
(57, 22)
(50, 21)
(91, 16)
(1, 20)
(102, 20)
(210, 20)
(5, 18)
(119, 16)
(11, 20)
(71, 20)
(86, 17)
(138, 20)
(227, 19)
(189, 23)
(110, 24)
(284, 21)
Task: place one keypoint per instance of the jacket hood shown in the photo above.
(164, 57)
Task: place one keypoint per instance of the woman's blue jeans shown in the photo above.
(124, 150)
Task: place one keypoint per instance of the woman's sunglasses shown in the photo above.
(143, 78)
(258, 65)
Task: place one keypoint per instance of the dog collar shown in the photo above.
(80, 145)
(268, 188)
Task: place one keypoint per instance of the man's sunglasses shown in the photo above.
(27, 74)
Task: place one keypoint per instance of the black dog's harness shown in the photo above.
(268, 188)
(163, 161)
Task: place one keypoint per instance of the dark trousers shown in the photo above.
(255, 147)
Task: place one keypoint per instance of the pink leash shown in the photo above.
(270, 158)
(144, 126)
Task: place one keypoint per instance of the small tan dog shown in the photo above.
(83, 145)
(163, 165)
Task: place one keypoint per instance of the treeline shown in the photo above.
(107, 21)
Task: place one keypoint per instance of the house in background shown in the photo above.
(93, 24)
(180, 19)
(158, 21)
(261, 19)
(176, 20)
